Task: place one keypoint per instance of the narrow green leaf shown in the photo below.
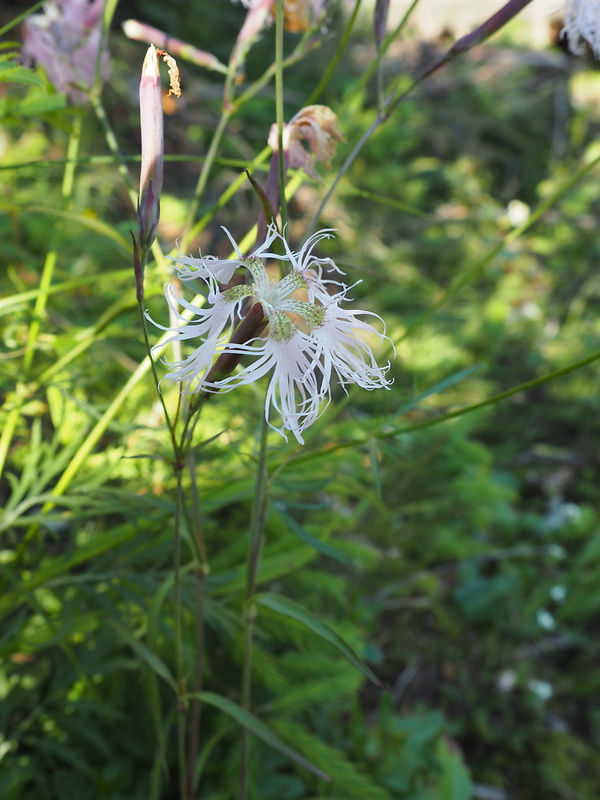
(282, 605)
(60, 566)
(270, 569)
(308, 538)
(17, 20)
(455, 780)
(144, 653)
(206, 753)
(96, 225)
(255, 726)
(9, 303)
(374, 455)
(12, 72)
(438, 387)
(389, 201)
(267, 209)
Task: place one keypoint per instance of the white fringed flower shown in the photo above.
(343, 352)
(582, 22)
(309, 337)
(209, 326)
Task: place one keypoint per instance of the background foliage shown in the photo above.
(460, 559)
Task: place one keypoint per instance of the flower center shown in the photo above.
(276, 298)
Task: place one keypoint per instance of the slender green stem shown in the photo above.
(200, 571)
(279, 111)
(170, 425)
(39, 308)
(113, 145)
(257, 525)
(8, 431)
(199, 525)
(370, 70)
(17, 20)
(334, 61)
(179, 666)
(389, 106)
(259, 509)
(380, 88)
(204, 173)
(71, 162)
(51, 256)
(194, 734)
(459, 412)
(45, 285)
(302, 49)
(249, 617)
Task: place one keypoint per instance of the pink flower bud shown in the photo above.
(146, 33)
(257, 19)
(151, 121)
(382, 8)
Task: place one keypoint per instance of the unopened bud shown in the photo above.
(151, 122)
(257, 19)
(146, 33)
(382, 8)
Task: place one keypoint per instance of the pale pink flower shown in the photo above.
(257, 20)
(209, 325)
(298, 15)
(310, 337)
(65, 40)
(141, 32)
(582, 23)
(316, 125)
(343, 352)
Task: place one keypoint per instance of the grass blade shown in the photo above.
(282, 605)
(257, 727)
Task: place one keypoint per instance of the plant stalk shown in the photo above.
(279, 111)
(179, 666)
(259, 509)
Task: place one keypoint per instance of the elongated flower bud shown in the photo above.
(146, 33)
(151, 177)
(382, 8)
